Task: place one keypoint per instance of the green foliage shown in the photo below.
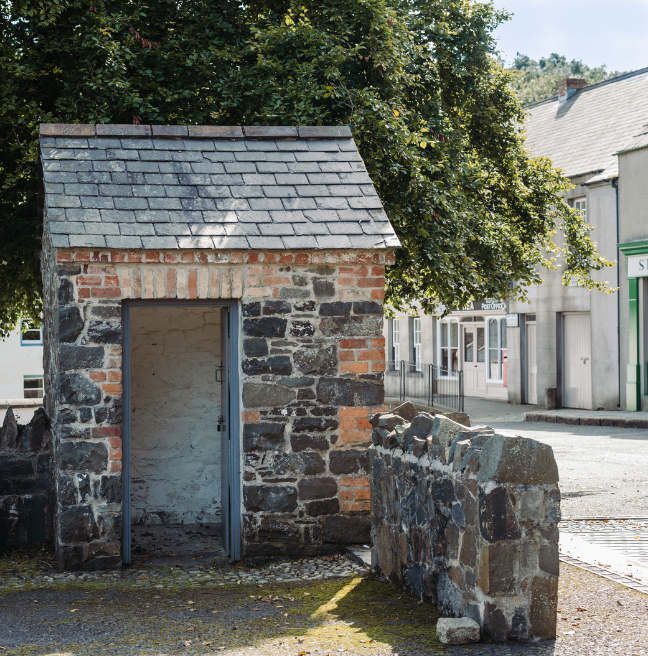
(538, 80)
(430, 107)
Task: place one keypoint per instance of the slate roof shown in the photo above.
(168, 187)
(583, 134)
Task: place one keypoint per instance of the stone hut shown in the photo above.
(213, 335)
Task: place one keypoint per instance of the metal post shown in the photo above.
(402, 380)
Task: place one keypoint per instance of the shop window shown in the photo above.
(449, 346)
(30, 335)
(33, 387)
(496, 338)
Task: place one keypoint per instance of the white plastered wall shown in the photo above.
(175, 446)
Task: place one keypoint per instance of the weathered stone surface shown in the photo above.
(457, 631)
(323, 507)
(104, 332)
(317, 488)
(70, 324)
(407, 411)
(255, 347)
(278, 364)
(352, 326)
(270, 498)
(72, 356)
(300, 464)
(389, 421)
(276, 307)
(83, 456)
(297, 381)
(265, 327)
(273, 530)
(317, 361)
(76, 389)
(351, 461)
(341, 529)
(368, 307)
(421, 428)
(77, 524)
(257, 395)
(303, 442)
(347, 392)
(314, 424)
(337, 309)
(263, 436)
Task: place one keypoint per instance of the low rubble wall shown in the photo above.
(25, 481)
(467, 518)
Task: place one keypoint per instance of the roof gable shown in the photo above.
(215, 187)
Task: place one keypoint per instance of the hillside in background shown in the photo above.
(538, 80)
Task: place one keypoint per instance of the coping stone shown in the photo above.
(270, 131)
(216, 131)
(122, 130)
(169, 130)
(324, 132)
(67, 130)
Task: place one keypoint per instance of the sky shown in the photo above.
(610, 32)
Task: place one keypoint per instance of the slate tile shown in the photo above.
(104, 166)
(333, 241)
(376, 228)
(234, 229)
(311, 229)
(368, 190)
(208, 229)
(82, 166)
(171, 229)
(312, 190)
(230, 145)
(328, 145)
(187, 156)
(229, 216)
(283, 191)
(160, 242)
(336, 167)
(235, 204)
(250, 157)
(59, 177)
(208, 167)
(164, 203)
(181, 192)
(129, 203)
(213, 191)
(249, 191)
(83, 215)
(185, 216)
(102, 143)
(345, 190)
(230, 242)
(57, 153)
(119, 153)
(51, 166)
(317, 216)
(234, 179)
(266, 204)
(333, 203)
(147, 191)
(365, 202)
(195, 242)
(288, 217)
(198, 204)
(178, 167)
(291, 179)
(194, 179)
(347, 145)
(254, 217)
(241, 167)
(344, 228)
(98, 202)
(258, 179)
(299, 203)
(272, 167)
(138, 229)
(94, 177)
(67, 227)
(299, 242)
(101, 228)
(366, 241)
(323, 178)
(280, 157)
(60, 241)
(199, 144)
(81, 190)
(355, 178)
(155, 156)
(87, 241)
(162, 179)
(220, 156)
(115, 190)
(137, 144)
(151, 216)
(128, 178)
(59, 200)
(293, 146)
(264, 242)
(276, 229)
(71, 142)
(124, 242)
(52, 188)
(119, 216)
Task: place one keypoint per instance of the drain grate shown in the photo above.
(625, 535)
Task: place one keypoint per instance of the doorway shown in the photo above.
(181, 477)
(474, 360)
(532, 363)
(577, 366)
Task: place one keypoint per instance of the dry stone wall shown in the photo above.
(25, 481)
(312, 373)
(469, 519)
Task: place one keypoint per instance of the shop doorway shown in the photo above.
(474, 360)
(181, 478)
(577, 361)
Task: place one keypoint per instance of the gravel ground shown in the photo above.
(603, 471)
(355, 616)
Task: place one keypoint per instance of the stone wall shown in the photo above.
(25, 481)
(467, 518)
(312, 371)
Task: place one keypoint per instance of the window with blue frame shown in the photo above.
(30, 335)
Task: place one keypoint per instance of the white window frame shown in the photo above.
(580, 205)
(40, 389)
(416, 337)
(30, 342)
(440, 347)
(395, 341)
(502, 324)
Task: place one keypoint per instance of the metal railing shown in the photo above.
(429, 383)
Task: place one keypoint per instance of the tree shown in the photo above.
(429, 105)
(538, 80)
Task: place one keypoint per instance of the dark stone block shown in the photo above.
(300, 281)
(276, 307)
(305, 395)
(317, 361)
(115, 412)
(65, 292)
(302, 381)
(106, 311)
(303, 442)
(257, 395)
(495, 623)
(252, 309)
(421, 427)
(109, 488)
(543, 607)
(497, 519)
(83, 483)
(44, 463)
(263, 436)
(272, 530)
(100, 413)
(12, 466)
(84, 456)
(519, 630)
(72, 356)
(67, 492)
(498, 568)
(338, 309)
(346, 392)
(305, 306)
(548, 559)
(304, 463)
(255, 347)
(317, 488)
(352, 461)
(443, 490)
(68, 270)
(69, 558)
(367, 307)
(104, 332)
(341, 529)
(270, 498)
(265, 327)
(352, 326)
(293, 292)
(277, 364)
(66, 416)
(301, 329)
(85, 414)
(70, 324)
(314, 424)
(77, 524)
(75, 389)
(325, 507)
(323, 288)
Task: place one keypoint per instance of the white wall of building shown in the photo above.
(16, 362)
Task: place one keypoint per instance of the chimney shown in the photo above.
(568, 87)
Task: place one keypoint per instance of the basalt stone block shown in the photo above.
(317, 361)
(300, 464)
(498, 568)
(314, 424)
(421, 428)
(293, 292)
(83, 456)
(104, 332)
(265, 327)
(252, 309)
(273, 530)
(342, 529)
(323, 288)
(106, 311)
(517, 460)
(304, 442)
(9, 431)
(255, 347)
(75, 389)
(257, 395)
(457, 631)
(543, 608)
(108, 488)
(263, 436)
(72, 356)
(85, 414)
(276, 307)
(325, 507)
(317, 488)
(389, 421)
(77, 524)
(368, 307)
(115, 412)
(66, 492)
(352, 326)
(277, 364)
(301, 329)
(408, 411)
(300, 381)
(497, 518)
(13, 466)
(495, 623)
(346, 392)
(65, 292)
(68, 269)
(548, 559)
(337, 309)
(70, 324)
(305, 306)
(351, 461)
(270, 498)
(305, 395)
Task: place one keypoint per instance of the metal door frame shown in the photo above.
(234, 424)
